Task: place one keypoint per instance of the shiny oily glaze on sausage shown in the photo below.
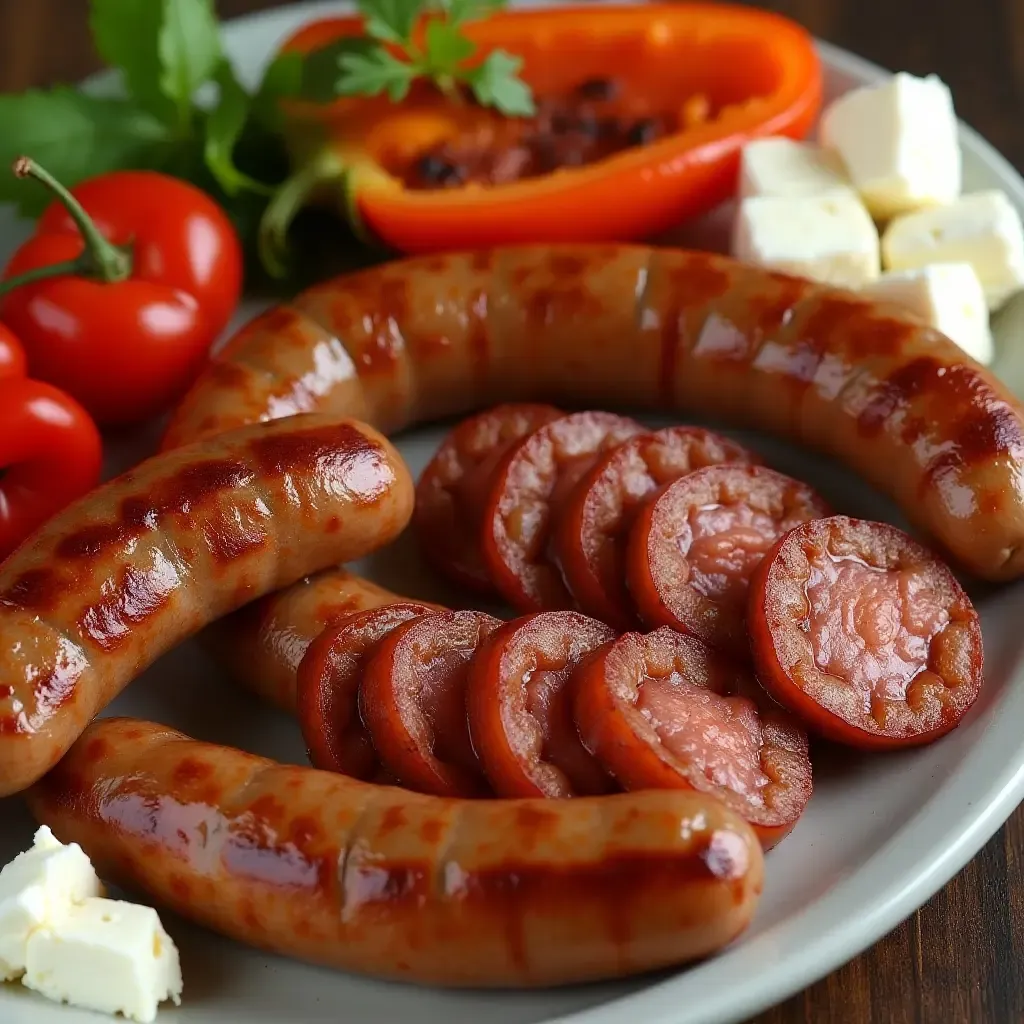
(384, 882)
(148, 559)
(613, 326)
(261, 645)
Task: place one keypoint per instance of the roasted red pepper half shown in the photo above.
(758, 74)
(119, 295)
(12, 356)
(50, 454)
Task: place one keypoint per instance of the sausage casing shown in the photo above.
(262, 644)
(619, 326)
(384, 882)
(146, 560)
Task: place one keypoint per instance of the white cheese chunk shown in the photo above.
(947, 296)
(826, 238)
(983, 229)
(899, 143)
(37, 887)
(785, 167)
(108, 956)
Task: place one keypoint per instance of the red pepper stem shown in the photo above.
(325, 168)
(101, 259)
(450, 90)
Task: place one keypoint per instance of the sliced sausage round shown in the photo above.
(453, 489)
(865, 634)
(591, 536)
(412, 699)
(692, 549)
(519, 705)
(663, 711)
(327, 685)
(531, 485)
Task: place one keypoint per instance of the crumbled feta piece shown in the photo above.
(947, 296)
(828, 238)
(784, 167)
(106, 955)
(899, 143)
(983, 229)
(36, 887)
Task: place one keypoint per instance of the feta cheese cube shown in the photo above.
(108, 956)
(983, 229)
(899, 143)
(948, 296)
(826, 238)
(37, 887)
(784, 167)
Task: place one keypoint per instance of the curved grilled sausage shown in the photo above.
(389, 883)
(146, 560)
(613, 326)
(261, 645)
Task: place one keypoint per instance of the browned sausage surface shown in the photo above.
(262, 644)
(385, 882)
(375, 879)
(612, 326)
(146, 560)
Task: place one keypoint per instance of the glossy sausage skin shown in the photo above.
(384, 882)
(614, 326)
(148, 559)
(261, 645)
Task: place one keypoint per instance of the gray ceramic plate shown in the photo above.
(879, 837)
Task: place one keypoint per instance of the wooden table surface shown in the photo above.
(961, 957)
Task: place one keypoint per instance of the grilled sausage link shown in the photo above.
(146, 560)
(261, 645)
(384, 882)
(617, 325)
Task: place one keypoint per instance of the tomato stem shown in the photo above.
(66, 269)
(101, 260)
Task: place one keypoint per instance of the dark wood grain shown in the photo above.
(961, 957)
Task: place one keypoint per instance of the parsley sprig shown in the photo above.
(182, 109)
(167, 52)
(369, 66)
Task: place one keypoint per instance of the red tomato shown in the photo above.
(12, 355)
(123, 327)
(50, 454)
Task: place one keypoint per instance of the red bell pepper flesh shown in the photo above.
(759, 70)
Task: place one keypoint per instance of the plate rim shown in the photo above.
(984, 807)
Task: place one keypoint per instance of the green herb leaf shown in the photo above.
(126, 33)
(375, 69)
(321, 67)
(374, 72)
(74, 136)
(462, 11)
(224, 127)
(446, 47)
(190, 51)
(390, 21)
(496, 83)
